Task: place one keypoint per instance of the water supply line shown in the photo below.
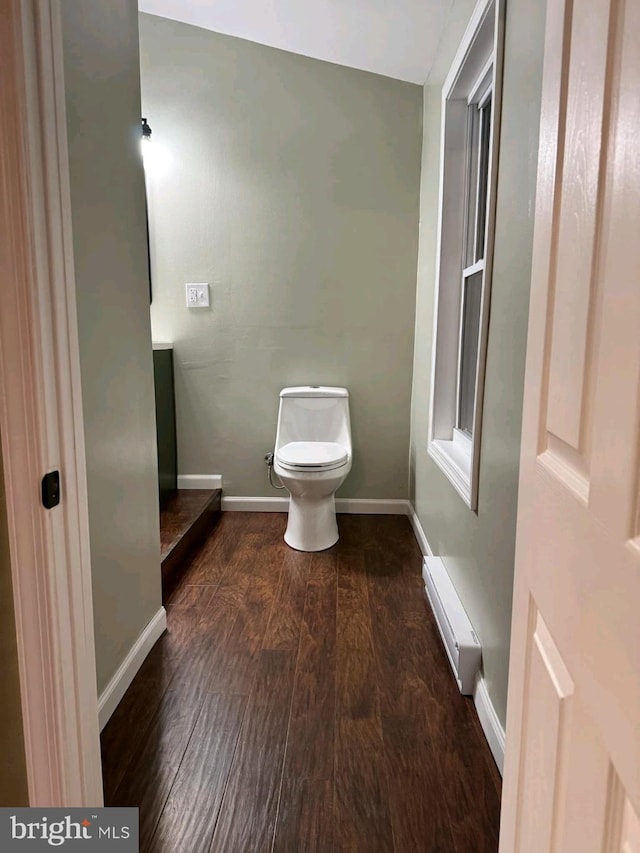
(269, 463)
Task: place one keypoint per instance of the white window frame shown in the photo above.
(475, 74)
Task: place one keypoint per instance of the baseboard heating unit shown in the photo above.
(460, 641)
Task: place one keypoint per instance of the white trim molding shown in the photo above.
(352, 506)
(372, 506)
(199, 481)
(126, 672)
(489, 720)
(491, 725)
(455, 463)
(41, 417)
(240, 504)
(477, 66)
(418, 531)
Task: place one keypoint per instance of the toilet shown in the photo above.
(312, 458)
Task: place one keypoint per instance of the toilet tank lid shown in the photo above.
(314, 391)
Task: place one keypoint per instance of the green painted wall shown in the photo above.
(102, 86)
(478, 550)
(292, 187)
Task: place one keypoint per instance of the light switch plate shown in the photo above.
(197, 295)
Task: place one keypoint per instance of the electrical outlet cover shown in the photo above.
(197, 295)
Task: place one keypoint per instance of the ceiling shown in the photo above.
(396, 38)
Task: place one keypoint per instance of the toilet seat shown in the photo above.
(312, 455)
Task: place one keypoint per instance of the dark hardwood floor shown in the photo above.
(302, 702)
(186, 518)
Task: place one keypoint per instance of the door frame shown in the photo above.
(41, 423)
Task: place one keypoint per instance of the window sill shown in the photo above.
(453, 457)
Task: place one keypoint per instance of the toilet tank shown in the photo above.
(314, 413)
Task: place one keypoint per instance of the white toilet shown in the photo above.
(312, 458)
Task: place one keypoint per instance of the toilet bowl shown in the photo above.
(312, 459)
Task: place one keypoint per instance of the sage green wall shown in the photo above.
(13, 771)
(478, 550)
(102, 84)
(293, 189)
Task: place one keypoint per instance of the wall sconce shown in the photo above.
(156, 157)
(146, 137)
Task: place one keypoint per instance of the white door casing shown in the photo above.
(41, 416)
(572, 764)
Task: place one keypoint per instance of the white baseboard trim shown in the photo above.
(367, 506)
(491, 725)
(124, 675)
(199, 481)
(240, 504)
(418, 531)
(372, 506)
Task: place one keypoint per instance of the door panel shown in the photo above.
(572, 764)
(546, 733)
(622, 833)
(576, 223)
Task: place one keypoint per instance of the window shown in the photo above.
(465, 242)
(477, 167)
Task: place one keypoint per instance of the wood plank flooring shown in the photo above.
(302, 702)
(180, 512)
(186, 519)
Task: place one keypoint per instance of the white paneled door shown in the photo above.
(572, 770)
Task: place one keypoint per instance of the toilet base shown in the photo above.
(312, 524)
